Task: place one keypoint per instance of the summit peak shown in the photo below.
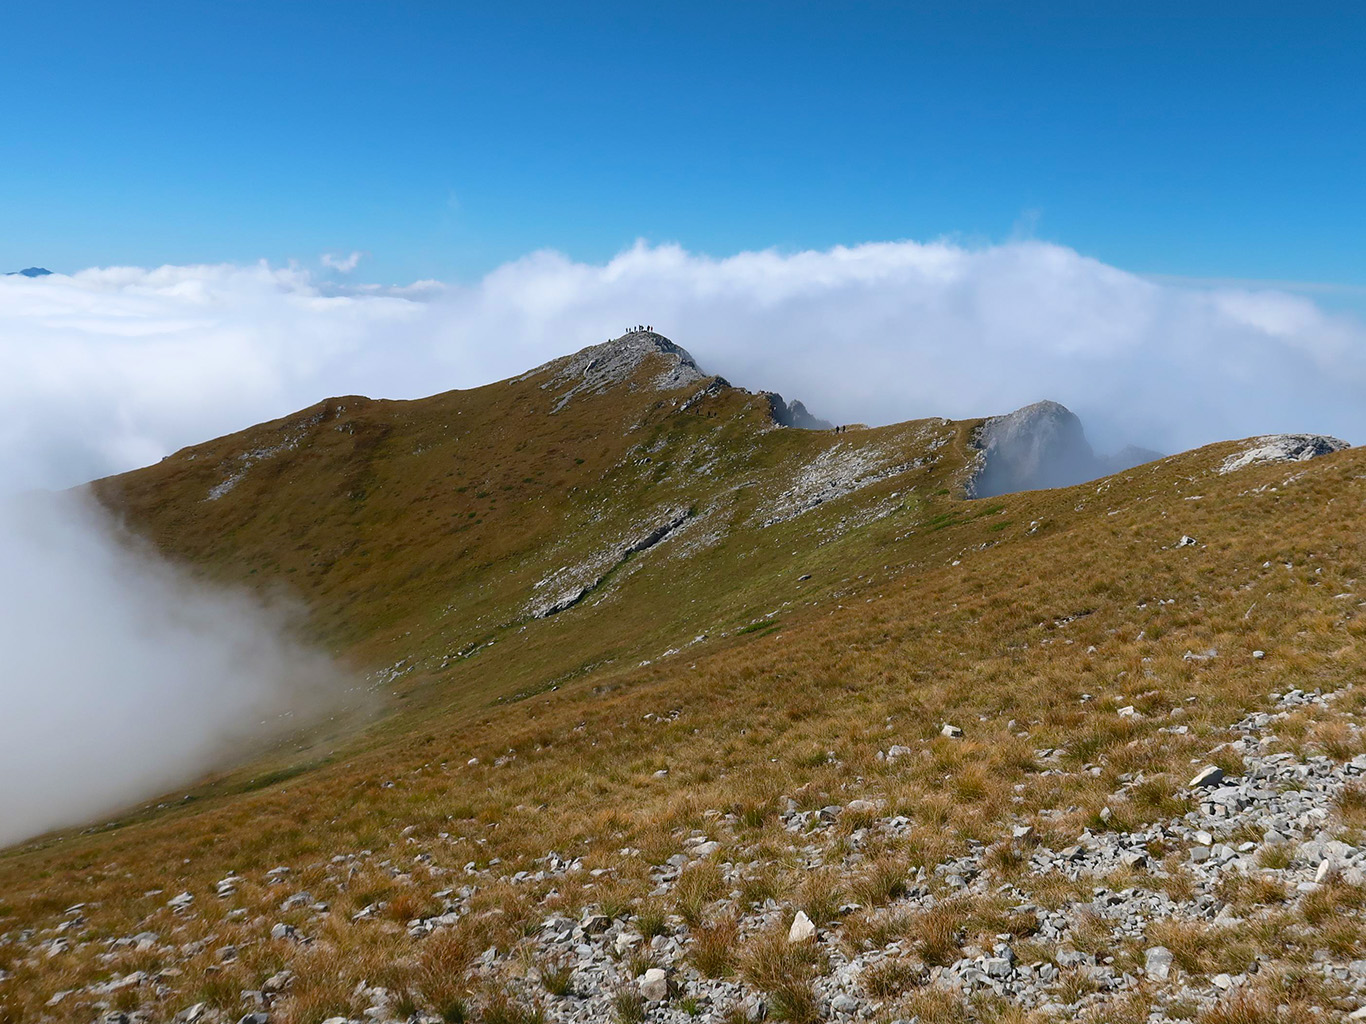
(594, 369)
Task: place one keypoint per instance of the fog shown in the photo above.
(122, 678)
(121, 675)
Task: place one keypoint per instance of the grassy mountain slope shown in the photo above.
(421, 534)
(757, 658)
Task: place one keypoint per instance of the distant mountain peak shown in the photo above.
(1039, 446)
(30, 272)
(795, 414)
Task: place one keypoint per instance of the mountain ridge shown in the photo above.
(654, 667)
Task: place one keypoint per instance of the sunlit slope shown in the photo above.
(425, 536)
(750, 621)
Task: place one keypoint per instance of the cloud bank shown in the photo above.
(122, 675)
(113, 368)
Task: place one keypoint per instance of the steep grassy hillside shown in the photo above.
(660, 675)
(436, 539)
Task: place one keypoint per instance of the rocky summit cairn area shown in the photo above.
(671, 706)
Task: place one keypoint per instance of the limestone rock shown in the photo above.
(1157, 962)
(1039, 446)
(1283, 448)
(595, 369)
(1207, 777)
(794, 414)
(654, 985)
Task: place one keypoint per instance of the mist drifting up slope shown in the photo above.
(122, 676)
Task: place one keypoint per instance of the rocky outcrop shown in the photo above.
(595, 369)
(794, 414)
(573, 583)
(1042, 445)
(1283, 448)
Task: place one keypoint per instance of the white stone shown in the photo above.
(802, 929)
(654, 985)
(997, 967)
(1157, 962)
(951, 731)
(1210, 775)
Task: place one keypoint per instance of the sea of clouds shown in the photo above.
(112, 368)
(124, 675)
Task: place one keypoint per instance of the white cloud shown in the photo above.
(342, 264)
(113, 367)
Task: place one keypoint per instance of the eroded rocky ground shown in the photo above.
(1173, 916)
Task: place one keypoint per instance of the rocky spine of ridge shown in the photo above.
(615, 362)
(597, 368)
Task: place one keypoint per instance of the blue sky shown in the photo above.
(443, 139)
